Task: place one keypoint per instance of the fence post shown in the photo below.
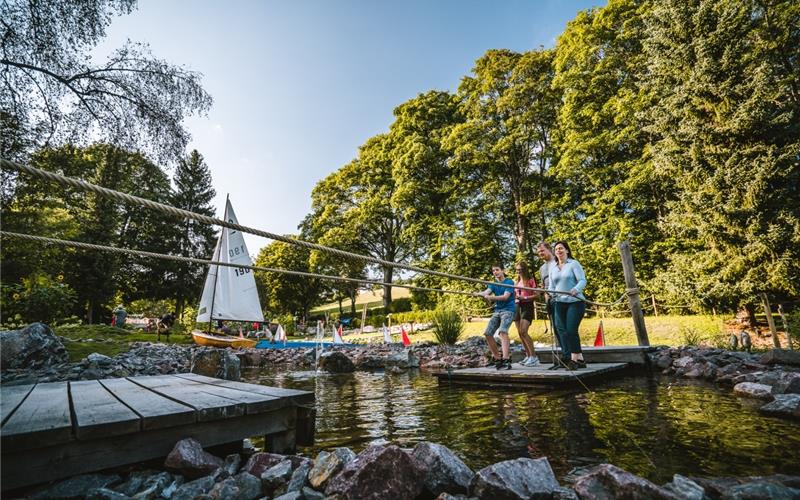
(632, 289)
(786, 327)
(655, 307)
(770, 321)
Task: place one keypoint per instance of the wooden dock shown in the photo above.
(534, 376)
(633, 354)
(59, 429)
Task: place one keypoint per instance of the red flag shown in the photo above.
(600, 339)
(404, 335)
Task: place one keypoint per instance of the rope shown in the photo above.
(126, 198)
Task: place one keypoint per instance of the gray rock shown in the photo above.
(213, 362)
(249, 486)
(276, 477)
(299, 478)
(562, 493)
(753, 390)
(232, 463)
(780, 357)
(224, 490)
(154, 486)
(376, 473)
(759, 490)
(607, 482)
(444, 471)
(105, 494)
(177, 482)
(134, 483)
(310, 494)
(100, 360)
(194, 488)
(327, 465)
(398, 360)
(259, 462)
(788, 383)
(336, 362)
(519, 478)
(78, 486)
(784, 405)
(34, 346)
(685, 488)
(189, 458)
(292, 495)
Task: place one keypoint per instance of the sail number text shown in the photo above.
(236, 251)
(241, 271)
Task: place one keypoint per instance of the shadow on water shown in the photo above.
(649, 426)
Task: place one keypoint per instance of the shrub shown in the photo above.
(38, 297)
(447, 326)
(690, 336)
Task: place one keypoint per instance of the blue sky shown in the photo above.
(299, 85)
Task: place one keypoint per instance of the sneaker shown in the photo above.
(531, 361)
(507, 363)
(576, 365)
(524, 362)
(498, 363)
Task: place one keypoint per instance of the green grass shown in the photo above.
(109, 340)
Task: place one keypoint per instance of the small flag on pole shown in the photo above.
(337, 335)
(600, 339)
(387, 337)
(404, 336)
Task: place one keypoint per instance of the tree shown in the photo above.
(726, 129)
(193, 192)
(52, 93)
(284, 293)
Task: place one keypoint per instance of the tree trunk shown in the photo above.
(353, 302)
(388, 271)
(751, 315)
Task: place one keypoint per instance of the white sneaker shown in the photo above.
(524, 362)
(532, 361)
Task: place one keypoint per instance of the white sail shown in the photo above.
(387, 337)
(230, 292)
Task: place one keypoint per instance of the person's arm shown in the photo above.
(580, 277)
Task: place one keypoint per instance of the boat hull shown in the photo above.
(207, 339)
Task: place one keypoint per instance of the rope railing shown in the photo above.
(186, 214)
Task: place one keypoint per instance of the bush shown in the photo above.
(447, 326)
(38, 297)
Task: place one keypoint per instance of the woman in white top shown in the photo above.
(567, 276)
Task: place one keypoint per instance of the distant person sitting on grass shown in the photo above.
(165, 322)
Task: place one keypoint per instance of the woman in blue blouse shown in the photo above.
(567, 275)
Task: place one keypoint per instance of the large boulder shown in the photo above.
(34, 346)
(219, 363)
(327, 465)
(521, 478)
(780, 357)
(444, 471)
(784, 405)
(379, 472)
(606, 482)
(189, 458)
(753, 390)
(259, 462)
(336, 362)
(685, 488)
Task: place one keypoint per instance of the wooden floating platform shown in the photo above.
(634, 354)
(538, 376)
(60, 429)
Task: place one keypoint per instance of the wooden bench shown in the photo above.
(59, 429)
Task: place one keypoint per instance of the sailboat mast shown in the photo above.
(216, 275)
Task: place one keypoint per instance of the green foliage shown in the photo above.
(38, 298)
(447, 326)
(690, 336)
(283, 293)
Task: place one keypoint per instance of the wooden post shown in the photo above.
(770, 321)
(632, 288)
(786, 327)
(655, 307)
(363, 318)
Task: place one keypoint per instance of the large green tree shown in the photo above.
(282, 293)
(727, 129)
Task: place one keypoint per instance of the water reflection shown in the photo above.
(650, 427)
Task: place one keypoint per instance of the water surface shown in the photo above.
(649, 426)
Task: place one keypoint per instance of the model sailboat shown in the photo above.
(230, 292)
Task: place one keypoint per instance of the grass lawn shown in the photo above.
(109, 340)
(370, 299)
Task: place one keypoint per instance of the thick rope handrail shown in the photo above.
(124, 197)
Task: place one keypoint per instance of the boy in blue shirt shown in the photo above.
(502, 294)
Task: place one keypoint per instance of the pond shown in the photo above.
(654, 427)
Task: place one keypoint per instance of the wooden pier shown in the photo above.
(533, 376)
(59, 429)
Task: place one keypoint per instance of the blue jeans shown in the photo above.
(568, 316)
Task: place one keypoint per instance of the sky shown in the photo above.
(299, 85)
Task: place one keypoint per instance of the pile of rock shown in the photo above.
(773, 377)
(428, 470)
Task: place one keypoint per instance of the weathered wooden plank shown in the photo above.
(98, 413)
(41, 420)
(11, 397)
(156, 410)
(209, 406)
(254, 401)
(28, 467)
(538, 375)
(293, 395)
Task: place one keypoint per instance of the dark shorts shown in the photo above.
(524, 311)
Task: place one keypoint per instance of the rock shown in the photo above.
(309, 494)
(784, 405)
(682, 362)
(780, 357)
(399, 360)
(154, 486)
(788, 383)
(105, 494)
(292, 495)
(327, 465)
(759, 490)
(336, 362)
(194, 488)
(448, 496)
(444, 471)
(78, 486)
(564, 494)
(224, 490)
(260, 462)
(276, 477)
(753, 390)
(685, 488)
(188, 458)
(378, 472)
(232, 463)
(213, 362)
(34, 346)
(134, 483)
(177, 482)
(299, 478)
(249, 486)
(519, 478)
(607, 481)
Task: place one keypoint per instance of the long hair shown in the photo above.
(566, 247)
(524, 275)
